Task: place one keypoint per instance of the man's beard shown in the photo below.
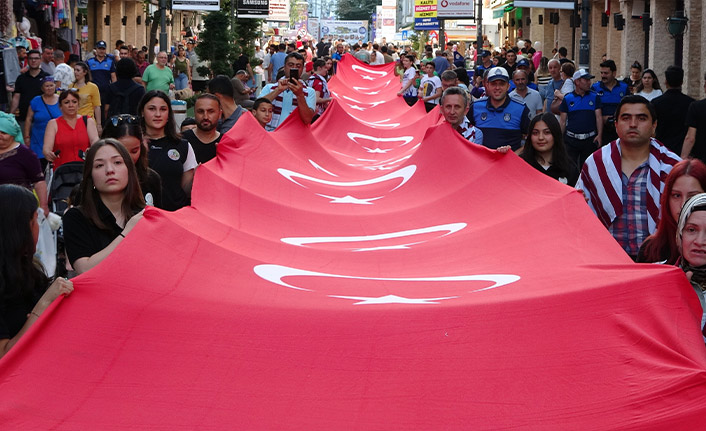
(204, 129)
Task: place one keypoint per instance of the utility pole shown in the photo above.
(585, 42)
(163, 24)
(479, 24)
(442, 34)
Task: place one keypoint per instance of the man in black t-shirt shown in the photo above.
(695, 141)
(203, 139)
(28, 85)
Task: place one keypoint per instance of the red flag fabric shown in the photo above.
(374, 271)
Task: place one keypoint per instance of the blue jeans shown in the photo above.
(181, 81)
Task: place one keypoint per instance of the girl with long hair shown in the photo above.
(648, 87)
(89, 95)
(24, 294)
(546, 152)
(686, 179)
(170, 155)
(110, 206)
(126, 128)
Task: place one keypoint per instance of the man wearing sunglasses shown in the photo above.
(27, 86)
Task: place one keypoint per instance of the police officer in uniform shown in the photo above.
(611, 91)
(581, 119)
(502, 120)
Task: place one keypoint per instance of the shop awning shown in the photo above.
(508, 6)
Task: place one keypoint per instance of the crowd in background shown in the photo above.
(634, 149)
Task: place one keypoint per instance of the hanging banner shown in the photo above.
(203, 5)
(278, 10)
(455, 9)
(314, 28)
(425, 15)
(258, 9)
(350, 31)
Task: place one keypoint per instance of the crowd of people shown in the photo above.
(634, 151)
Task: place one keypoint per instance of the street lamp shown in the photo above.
(677, 24)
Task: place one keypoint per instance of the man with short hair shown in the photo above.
(672, 108)
(385, 55)
(123, 52)
(48, 60)
(337, 56)
(510, 62)
(27, 86)
(379, 57)
(429, 87)
(563, 52)
(502, 120)
(22, 58)
(441, 63)
(486, 63)
(123, 95)
(695, 140)
(522, 93)
(277, 62)
(317, 81)
(454, 106)
(222, 88)
(190, 48)
(288, 94)
(361, 54)
(63, 73)
(320, 48)
(623, 180)
(555, 84)
(611, 91)
(448, 79)
(203, 139)
(241, 92)
(102, 69)
(158, 76)
(581, 119)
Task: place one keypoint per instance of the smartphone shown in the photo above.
(294, 75)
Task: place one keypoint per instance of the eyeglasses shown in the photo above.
(117, 120)
(33, 58)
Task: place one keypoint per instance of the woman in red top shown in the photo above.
(71, 134)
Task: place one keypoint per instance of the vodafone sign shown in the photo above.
(455, 9)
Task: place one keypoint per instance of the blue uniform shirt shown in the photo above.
(610, 98)
(100, 72)
(581, 111)
(503, 125)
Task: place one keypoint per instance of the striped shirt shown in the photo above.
(610, 196)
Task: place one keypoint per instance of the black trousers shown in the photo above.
(579, 150)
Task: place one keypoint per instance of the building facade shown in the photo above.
(625, 31)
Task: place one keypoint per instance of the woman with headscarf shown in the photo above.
(18, 164)
(691, 241)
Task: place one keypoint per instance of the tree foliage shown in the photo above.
(216, 45)
(356, 9)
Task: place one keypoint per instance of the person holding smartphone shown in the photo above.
(290, 93)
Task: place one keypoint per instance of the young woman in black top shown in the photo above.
(111, 204)
(126, 129)
(170, 155)
(23, 286)
(546, 152)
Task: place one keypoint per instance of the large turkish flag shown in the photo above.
(376, 272)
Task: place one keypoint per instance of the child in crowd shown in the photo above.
(262, 110)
